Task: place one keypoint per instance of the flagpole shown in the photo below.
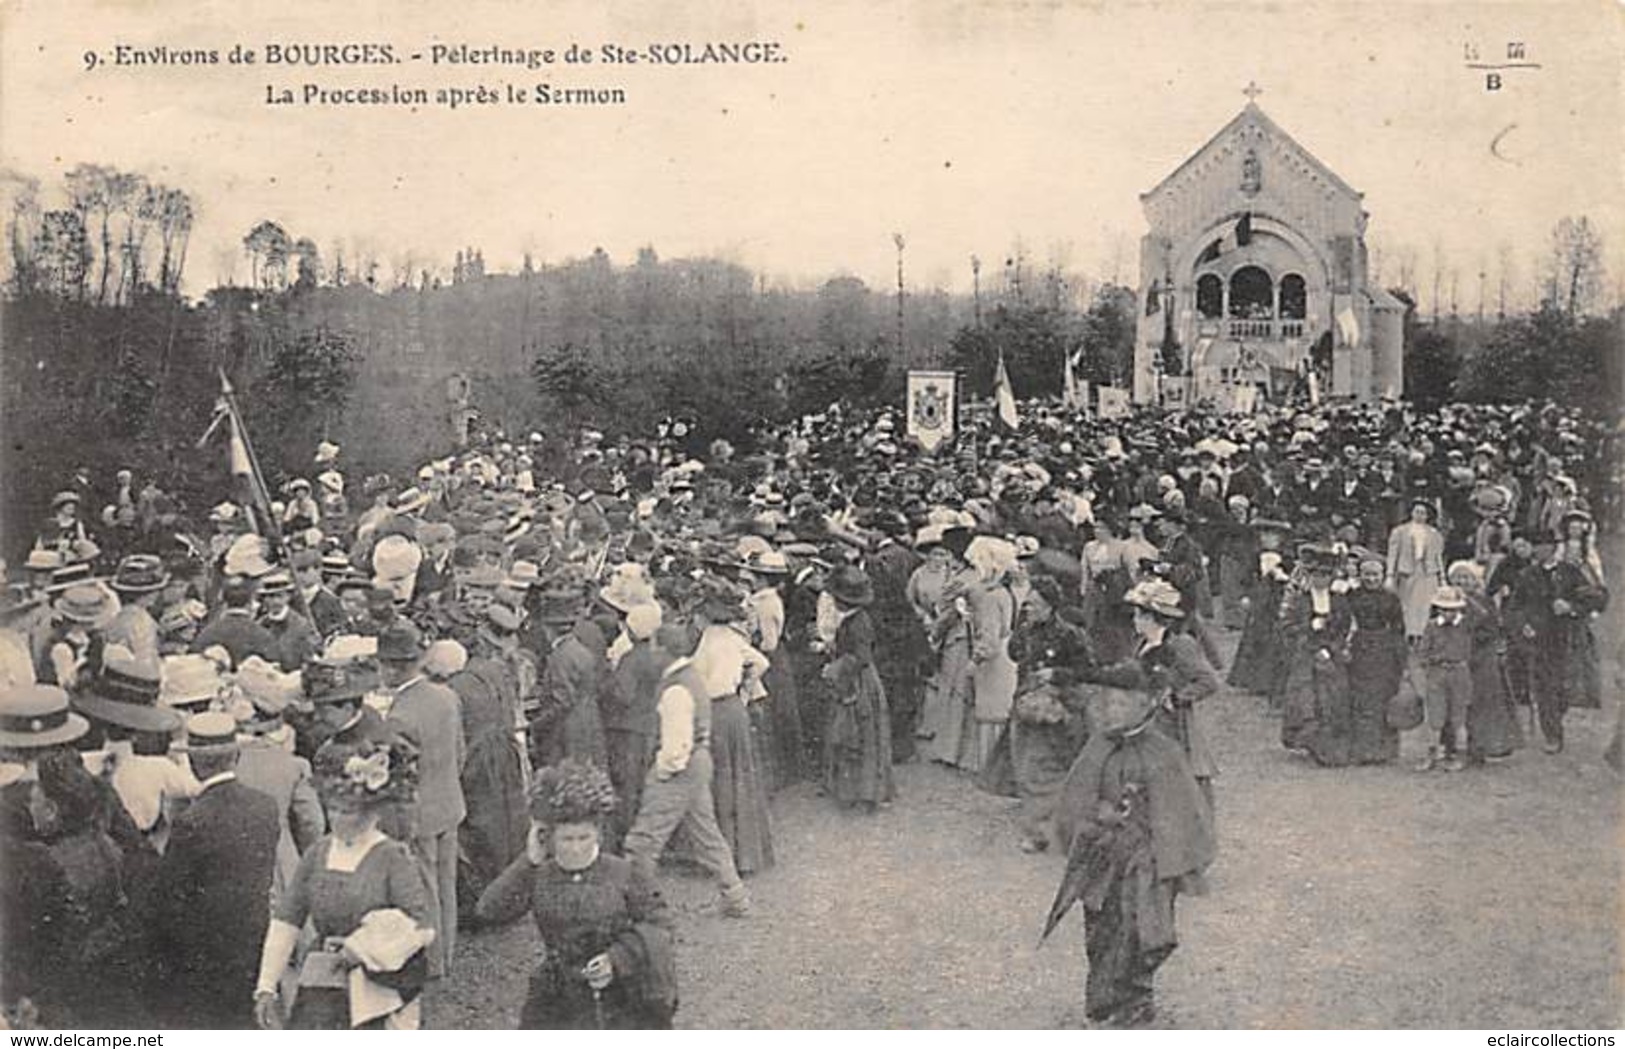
(261, 493)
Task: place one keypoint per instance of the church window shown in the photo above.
(1294, 298)
(1209, 296)
(1252, 294)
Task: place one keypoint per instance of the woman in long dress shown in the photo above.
(946, 708)
(366, 895)
(993, 672)
(1416, 565)
(777, 718)
(1138, 835)
(1567, 672)
(1376, 665)
(606, 958)
(1492, 723)
(1259, 665)
(858, 769)
(1106, 578)
(1315, 620)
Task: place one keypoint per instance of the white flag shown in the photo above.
(1005, 396)
(1348, 325)
(1070, 396)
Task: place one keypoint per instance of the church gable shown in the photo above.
(1250, 163)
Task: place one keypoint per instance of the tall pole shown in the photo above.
(976, 287)
(902, 348)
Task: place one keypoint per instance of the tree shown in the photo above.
(92, 192)
(1034, 341)
(306, 384)
(569, 380)
(22, 193)
(1108, 335)
(1575, 269)
(64, 253)
(268, 247)
(1432, 362)
(309, 263)
(176, 214)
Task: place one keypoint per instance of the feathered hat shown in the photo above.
(571, 792)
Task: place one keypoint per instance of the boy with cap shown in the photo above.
(1446, 648)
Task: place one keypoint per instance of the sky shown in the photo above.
(968, 127)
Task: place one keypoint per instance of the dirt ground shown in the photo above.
(1364, 898)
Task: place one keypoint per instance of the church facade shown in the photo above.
(1254, 279)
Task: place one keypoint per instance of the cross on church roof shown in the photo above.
(1252, 91)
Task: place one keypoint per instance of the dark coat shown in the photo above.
(214, 893)
(237, 632)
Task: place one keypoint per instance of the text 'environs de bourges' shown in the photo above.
(329, 55)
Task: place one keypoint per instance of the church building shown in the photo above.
(1254, 281)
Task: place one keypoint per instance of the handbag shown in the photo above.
(1404, 706)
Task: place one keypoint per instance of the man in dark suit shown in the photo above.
(234, 627)
(214, 887)
(429, 715)
(326, 610)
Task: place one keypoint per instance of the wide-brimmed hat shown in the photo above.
(1144, 512)
(68, 575)
(62, 499)
(325, 682)
(1157, 596)
(628, 587)
(1576, 514)
(140, 574)
(88, 604)
(1449, 598)
(37, 716)
(1271, 524)
(768, 562)
(400, 642)
(850, 586)
(41, 559)
(190, 678)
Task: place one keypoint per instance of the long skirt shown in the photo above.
(948, 708)
(493, 783)
(1129, 935)
(1416, 595)
(738, 789)
(1041, 756)
(1232, 588)
(858, 765)
(1258, 666)
(783, 709)
(1376, 666)
(1492, 723)
(1315, 706)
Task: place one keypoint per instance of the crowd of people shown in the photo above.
(264, 774)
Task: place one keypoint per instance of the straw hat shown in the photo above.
(1157, 596)
(189, 679)
(36, 716)
(88, 605)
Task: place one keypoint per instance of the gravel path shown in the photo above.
(1375, 897)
